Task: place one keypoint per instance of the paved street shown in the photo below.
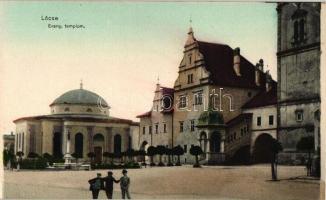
(222, 182)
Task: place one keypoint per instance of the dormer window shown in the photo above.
(67, 109)
(89, 110)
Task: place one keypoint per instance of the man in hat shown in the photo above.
(109, 184)
(96, 184)
(124, 184)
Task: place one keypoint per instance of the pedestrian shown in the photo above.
(96, 184)
(108, 187)
(124, 184)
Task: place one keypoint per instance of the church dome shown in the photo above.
(210, 118)
(81, 97)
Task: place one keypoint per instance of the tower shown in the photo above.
(298, 74)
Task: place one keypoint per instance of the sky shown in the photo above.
(121, 51)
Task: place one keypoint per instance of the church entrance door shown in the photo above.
(98, 154)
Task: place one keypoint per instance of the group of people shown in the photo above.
(106, 184)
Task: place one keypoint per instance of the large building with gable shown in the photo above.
(79, 123)
(220, 101)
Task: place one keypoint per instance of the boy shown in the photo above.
(124, 184)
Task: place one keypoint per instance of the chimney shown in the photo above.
(268, 81)
(236, 61)
(257, 74)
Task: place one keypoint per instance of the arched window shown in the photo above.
(79, 142)
(117, 143)
(296, 31)
(301, 30)
(215, 142)
(129, 142)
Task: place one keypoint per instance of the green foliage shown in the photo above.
(276, 146)
(39, 163)
(161, 150)
(32, 155)
(196, 150)
(129, 165)
(151, 151)
(178, 150)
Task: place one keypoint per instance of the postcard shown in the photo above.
(166, 100)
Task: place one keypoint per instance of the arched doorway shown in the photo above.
(79, 142)
(241, 156)
(144, 146)
(57, 145)
(98, 144)
(262, 149)
(215, 142)
(117, 144)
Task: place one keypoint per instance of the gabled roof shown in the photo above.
(218, 60)
(146, 114)
(238, 119)
(263, 98)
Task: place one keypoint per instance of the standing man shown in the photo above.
(109, 184)
(96, 184)
(124, 184)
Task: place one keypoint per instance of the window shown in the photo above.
(189, 58)
(181, 127)
(164, 128)
(144, 130)
(249, 94)
(301, 30)
(271, 120)
(190, 78)
(299, 115)
(199, 98)
(185, 148)
(183, 102)
(258, 121)
(241, 132)
(150, 129)
(192, 125)
(296, 31)
(235, 136)
(156, 128)
(67, 109)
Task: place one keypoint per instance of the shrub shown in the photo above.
(39, 163)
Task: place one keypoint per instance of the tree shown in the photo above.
(91, 155)
(161, 150)
(142, 154)
(77, 156)
(169, 152)
(33, 155)
(307, 144)
(151, 152)
(276, 147)
(196, 151)
(178, 151)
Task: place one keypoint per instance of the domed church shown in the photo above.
(79, 123)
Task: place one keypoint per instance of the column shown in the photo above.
(108, 140)
(66, 139)
(90, 138)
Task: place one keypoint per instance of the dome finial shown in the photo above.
(81, 84)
